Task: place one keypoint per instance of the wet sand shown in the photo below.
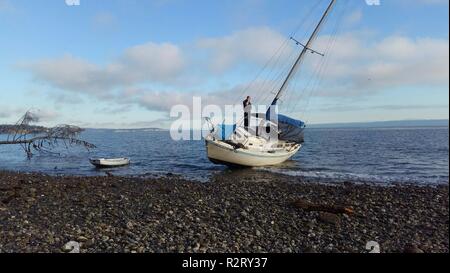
(237, 212)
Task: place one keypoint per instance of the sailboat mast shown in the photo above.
(306, 48)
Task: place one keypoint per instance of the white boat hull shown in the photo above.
(109, 163)
(222, 153)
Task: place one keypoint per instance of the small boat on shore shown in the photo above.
(109, 162)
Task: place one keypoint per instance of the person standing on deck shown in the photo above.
(247, 111)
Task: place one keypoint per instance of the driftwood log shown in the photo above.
(335, 209)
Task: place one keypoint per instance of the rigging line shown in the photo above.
(291, 94)
(326, 63)
(310, 26)
(276, 83)
(340, 27)
(331, 45)
(304, 89)
(276, 78)
(302, 55)
(291, 90)
(266, 65)
(281, 76)
(279, 56)
(273, 77)
(281, 49)
(310, 77)
(267, 80)
(257, 76)
(300, 98)
(318, 80)
(316, 71)
(306, 18)
(302, 22)
(352, 6)
(292, 105)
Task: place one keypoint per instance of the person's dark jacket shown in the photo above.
(246, 103)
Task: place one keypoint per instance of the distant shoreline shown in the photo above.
(380, 128)
(21, 129)
(386, 124)
(435, 123)
(307, 127)
(438, 123)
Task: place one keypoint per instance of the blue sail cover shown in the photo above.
(290, 129)
(290, 121)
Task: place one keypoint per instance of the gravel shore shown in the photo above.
(235, 212)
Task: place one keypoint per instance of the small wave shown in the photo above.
(342, 177)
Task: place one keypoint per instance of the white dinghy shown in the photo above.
(109, 162)
(244, 146)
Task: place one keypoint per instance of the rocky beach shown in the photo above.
(246, 211)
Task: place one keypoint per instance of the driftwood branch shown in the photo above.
(32, 138)
(36, 139)
(308, 206)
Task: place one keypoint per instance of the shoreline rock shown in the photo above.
(245, 213)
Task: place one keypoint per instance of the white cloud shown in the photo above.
(164, 100)
(143, 63)
(73, 74)
(395, 61)
(46, 115)
(159, 123)
(7, 112)
(4, 113)
(12, 114)
(255, 45)
(388, 107)
(152, 62)
(359, 65)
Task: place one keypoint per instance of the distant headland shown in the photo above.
(22, 129)
(386, 124)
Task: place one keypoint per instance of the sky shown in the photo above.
(125, 63)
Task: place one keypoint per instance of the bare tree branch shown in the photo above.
(32, 139)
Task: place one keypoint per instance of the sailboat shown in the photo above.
(250, 148)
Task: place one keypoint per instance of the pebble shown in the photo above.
(232, 213)
(413, 249)
(82, 239)
(329, 218)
